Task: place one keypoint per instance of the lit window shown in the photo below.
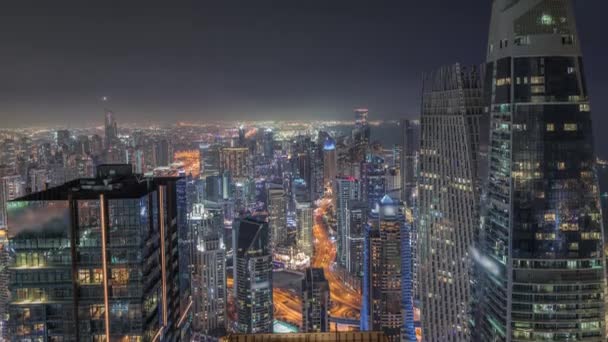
(546, 19)
(550, 127)
(550, 217)
(584, 107)
(570, 70)
(84, 276)
(570, 127)
(120, 276)
(537, 89)
(537, 80)
(561, 165)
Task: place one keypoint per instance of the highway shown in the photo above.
(346, 302)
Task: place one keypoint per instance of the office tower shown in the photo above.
(242, 138)
(210, 159)
(346, 189)
(315, 301)
(111, 130)
(96, 259)
(361, 135)
(213, 188)
(408, 330)
(8, 155)
(356, 219)
(381, 309)
(162, 153)
(252, 276)
(209, 285)
(305, 217)
(268, 143)
(330, 161)
(63, 139)
(83, 145)
(448, 199)
(410, 134)
(38, 180)
(96, 145)
(541, 242)
(277, 214)
(373, 180)
(235, 160)
(11, 187)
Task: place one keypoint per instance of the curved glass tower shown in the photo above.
(541, 242)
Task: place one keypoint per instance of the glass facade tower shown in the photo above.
(96, 259)
(541, 242)
(448, 199)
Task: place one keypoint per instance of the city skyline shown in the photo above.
(479, 217)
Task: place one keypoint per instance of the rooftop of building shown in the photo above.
(112, 180)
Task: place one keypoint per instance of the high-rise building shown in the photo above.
(268, 143)
(381, 309)
(305, 218)
(361, 135)
(330, 161)
(38, 180)
(373, 179)
(235, 160)
(451, 112)
(541, 249)
(315, 301)
(11, 187)
(277, 214)
(356, 219)
(410, 134)
(111, 130)
(209, 285)
(252, 276)
(96, 259)
(63, 139)
(346, 189)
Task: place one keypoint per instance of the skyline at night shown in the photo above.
(304, 171)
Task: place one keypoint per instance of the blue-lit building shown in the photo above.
(383, 308)
(373, 179)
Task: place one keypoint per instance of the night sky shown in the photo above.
(164, 61)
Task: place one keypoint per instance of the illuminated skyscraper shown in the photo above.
(373, 180)
(346, 189)
(96, 259)
(235, 160)
(111, 130)
(330, 161)
(361, 135)
(11, 187)
(304, 217)
(315, 301)
(541, 247)
(277, 214)
(356, 219)
(410, 134)
(382, 303)
(209, 285)
(252, 276)
(448, 199)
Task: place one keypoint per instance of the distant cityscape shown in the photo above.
(478, 220)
